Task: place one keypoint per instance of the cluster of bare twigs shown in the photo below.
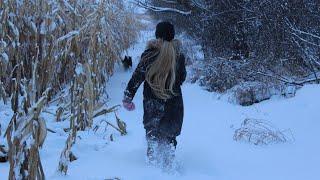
(259, 132)
(147, 5)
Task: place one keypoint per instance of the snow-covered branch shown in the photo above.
(300, 82)
(306, 33)
(298, 33)
(161, 9)
(304, 40)
(69, 35)
(200, 4)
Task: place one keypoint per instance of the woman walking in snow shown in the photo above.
(162, 68)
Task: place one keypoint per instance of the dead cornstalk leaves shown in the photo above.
(121, 126)
(25, 136)
(106, 111)
(57, 44)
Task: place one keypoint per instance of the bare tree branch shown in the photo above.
(289, 81)
(161, 9)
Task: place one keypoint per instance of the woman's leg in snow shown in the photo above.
(161, 149)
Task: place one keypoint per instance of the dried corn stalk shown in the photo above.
(3, 154)
(42, 43)
(59, 113)
(65, 157)
(83, 96)
(25, 135)
(4, 60)
(82, 103)
(3, 150)
(51, 36)
(122, 125)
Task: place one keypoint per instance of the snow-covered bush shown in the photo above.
(248, 93)
(259, 132)
(191, 49)
(219, 75)
(240, 39)
(247, 82)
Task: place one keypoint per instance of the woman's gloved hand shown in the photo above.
(129, 105)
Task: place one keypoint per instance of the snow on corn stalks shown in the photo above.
(51, 37)
(81, 111)
(57, 44)
(25, 135)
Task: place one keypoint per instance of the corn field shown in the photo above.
(50, 46)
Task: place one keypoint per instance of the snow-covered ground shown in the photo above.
(206, 149)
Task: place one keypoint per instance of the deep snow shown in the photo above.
(206, 149)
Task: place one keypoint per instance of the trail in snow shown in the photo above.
(206, 149)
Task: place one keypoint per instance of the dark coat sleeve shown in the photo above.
(182, 67)
(136, 80)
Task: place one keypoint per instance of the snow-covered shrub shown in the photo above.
(237, 46)
(259, 132)
(248, 93)
(245, 81)
(191, 49)
(220, 75)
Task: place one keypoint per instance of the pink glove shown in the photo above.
(128, 105)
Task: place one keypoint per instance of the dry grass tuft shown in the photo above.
(259, 132)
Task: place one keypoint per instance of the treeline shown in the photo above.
(243, 40)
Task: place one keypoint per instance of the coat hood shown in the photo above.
(156, 43)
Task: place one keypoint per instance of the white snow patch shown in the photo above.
(79, 69)
(5, 58)
(14, 29)
(68, 36)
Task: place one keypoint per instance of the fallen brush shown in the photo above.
(260, 132)
(121, 126)
(106, 111)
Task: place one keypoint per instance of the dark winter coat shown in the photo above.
(163, 116)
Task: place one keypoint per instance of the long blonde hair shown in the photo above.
(161, 74)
